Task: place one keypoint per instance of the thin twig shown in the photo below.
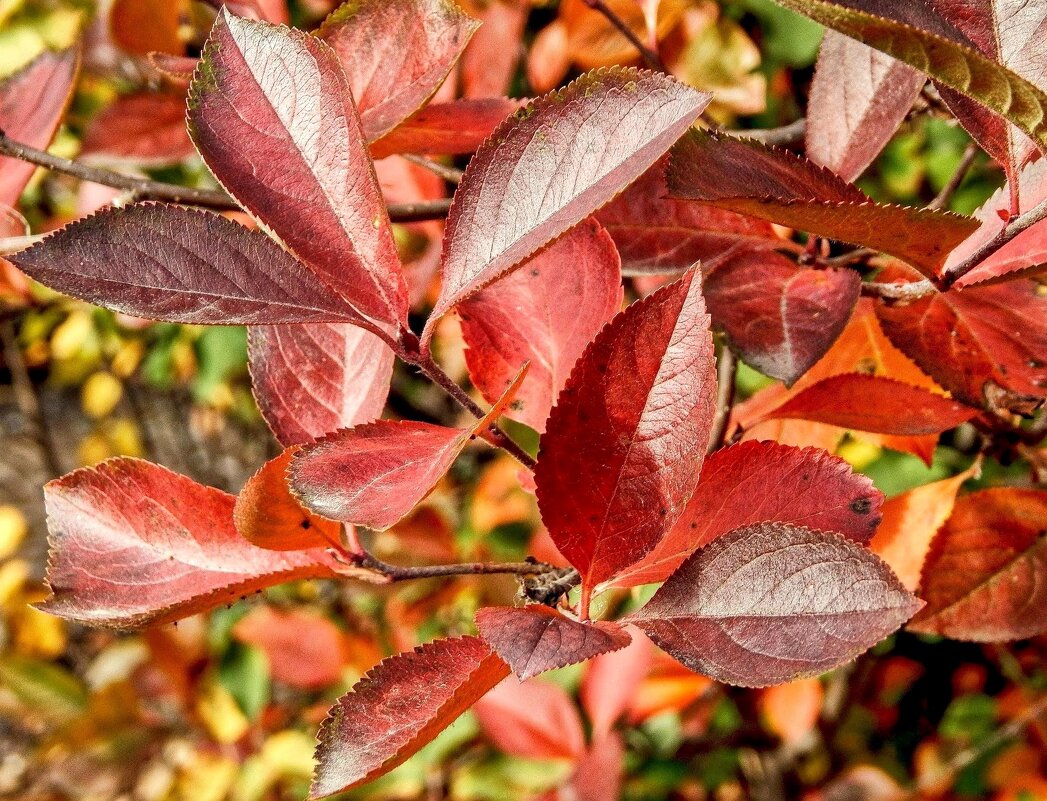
(726, 371)
(850, 257)
(146, 189)
(785, 135)
(649, 55)
(943, 197)
(450, 174)
(899, 292)
(27, 398)
(409, 573)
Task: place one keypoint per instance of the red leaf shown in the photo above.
(133, 543)
(983, 343)
(624, 445)
(395, 53)
(859, 97)
(269, 516)
(374, 474)
(304, 650)
(780, 319)
(550, 166)
(167, 262)
(755, 482)
(599, 773)
(144, 127)
(545, 313)
(309, 380)
(534, 639)
(489, 62)
(871, 403)
(658, 234)
(398, 707)
(611, 681)
(32, 104)
(533, 720)
(985, 578)
(772, 602)
(776, 185)
(271, 112)
(447, 129)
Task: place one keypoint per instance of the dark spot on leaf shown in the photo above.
(306, 524)
(861, 506)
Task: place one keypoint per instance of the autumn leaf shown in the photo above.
(447, 129)
(533, 639)
(293, 154)
(756, 482)
(398, 707)
(346, 383)
(133, 543)
(772, 602)
(545, 313)
(167, 262)
(501, 216)
(534, 719)
(143, 128)
(611, 680)
(985, 577)
(624, 444)
(304, 649)
(744, 176)
(395, 53)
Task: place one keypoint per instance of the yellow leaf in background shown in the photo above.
(100, 394)
(207, 777)
(220, 713)
(93, 448)
(69, 337)
(13, 529)
(13, 575)
(284, 755)
(124, 438)
(39, 634)
(127, 359)
(858, 453)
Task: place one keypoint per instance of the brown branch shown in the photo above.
(899, 292)
(147, 189)
(726, 371)
(450, 174)
(410, 573)
(942, 199)
(785, 135)
(649, 55)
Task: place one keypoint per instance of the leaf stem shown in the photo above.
(450, 174)
(147, 189)
(409, 573)
(649, 54)
(942, 199)
(726, 371)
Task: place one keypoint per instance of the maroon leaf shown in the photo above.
(623, 447)
(313, 379)
(658, 234)
(398, 707)
(168, 262)
(755, 482)
(552, 165)
(32, 104)
(374, 474)
(534, 639)
(859, 97)
(272, 114)
(533, 720)
(133, 543)
(985, 344)
(780, 319)
(776, 185)
(773, 602)
(545, 313)
(447, 129)
(873, 403)
(144, 127)
(985, 578)
(395, 53)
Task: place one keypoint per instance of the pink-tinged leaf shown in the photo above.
(985, 578)
(568, 153)
(780, 319)
(272, 114)
(910, 521)
(598, 776)
(396, 53)
(144, 128)
(777, 185)
(179, 69)
(374, 474)
(534, 639)
(859, 97)
(611, 681)
(489, 62)
(533, 720)
(304, 650)
(133, 543)
(167, 262)
(624, 445)
(773, 602)
(309, 380)
(398, 707)
(32, 104)
(871, 403)
(756, 482)
(544, 313)
(984, 344)
(447, 129)
(657, 234)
